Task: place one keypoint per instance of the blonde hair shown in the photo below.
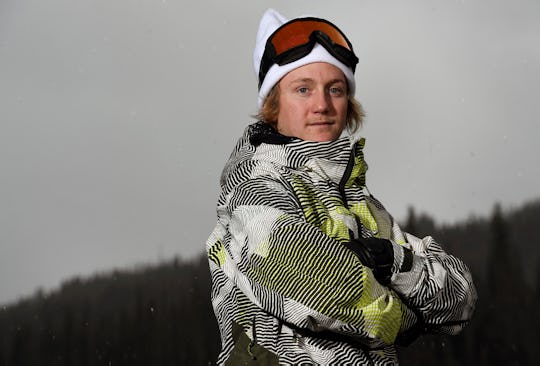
(270, 110)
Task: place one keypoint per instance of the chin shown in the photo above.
(324, 134)
(323, 138)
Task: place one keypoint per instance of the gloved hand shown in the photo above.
(375, 253)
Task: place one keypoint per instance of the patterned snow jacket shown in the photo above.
(285, 287)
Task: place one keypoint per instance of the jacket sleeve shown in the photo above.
(297, 273)
(438, 287)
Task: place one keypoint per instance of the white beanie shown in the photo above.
(270, 21)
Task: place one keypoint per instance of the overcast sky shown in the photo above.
(116, 118)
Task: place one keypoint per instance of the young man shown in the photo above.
(307, 267)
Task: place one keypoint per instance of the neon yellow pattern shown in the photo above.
(335, 226)
(216, 253)
(329, 218)
(380, 312)
(361, 210)
(383, 318)
(358, 174)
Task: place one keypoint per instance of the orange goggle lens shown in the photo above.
(298, 32)
(296, 39)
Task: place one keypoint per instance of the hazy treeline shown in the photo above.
(162, 315)
(503, 255)
(158, 315)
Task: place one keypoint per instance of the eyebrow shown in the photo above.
(309, 80)
(302, 80)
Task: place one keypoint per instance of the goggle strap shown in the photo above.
(346, 56)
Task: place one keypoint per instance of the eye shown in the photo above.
(336, 91)
(302, 90)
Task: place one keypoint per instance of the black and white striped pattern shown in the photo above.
(280, 270)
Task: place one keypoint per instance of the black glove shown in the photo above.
(375, 253)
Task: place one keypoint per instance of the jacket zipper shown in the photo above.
(341, 188)
(346, 176)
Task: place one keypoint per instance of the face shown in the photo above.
(313, 103)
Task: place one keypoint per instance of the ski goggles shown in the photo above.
(296, 39)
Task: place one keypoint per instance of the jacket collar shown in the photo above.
(328, 160)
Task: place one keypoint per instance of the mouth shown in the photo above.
(321, 123)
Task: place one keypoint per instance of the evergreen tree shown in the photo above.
(410, 224)
(503, 303)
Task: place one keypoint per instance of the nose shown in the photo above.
(321, 102)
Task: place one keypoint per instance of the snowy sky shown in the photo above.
(116, 117)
